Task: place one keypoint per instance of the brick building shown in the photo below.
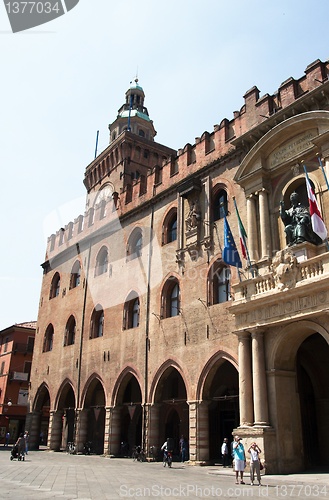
(144, 332)
(16, 350)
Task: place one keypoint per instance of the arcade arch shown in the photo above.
(300, 381)
(219, 392)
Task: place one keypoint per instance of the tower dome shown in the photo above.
(133, 115)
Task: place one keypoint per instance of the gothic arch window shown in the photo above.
(55, 286)
(135, 243)
(75, 275)
(169, 229)
(101, 262)
(48, 339)
(171, 298)
(97, 322)
(219, 276)
(131, 312)
(69, 337)
(219, 204)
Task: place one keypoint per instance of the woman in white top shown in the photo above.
(254, 451)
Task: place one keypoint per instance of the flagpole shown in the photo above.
(245, 243)
(323, 171)
(308, 184)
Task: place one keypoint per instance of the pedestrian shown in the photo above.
(183, 448)
(26, 437)
(7, 439)
(20, 443)
(225, 453)
(254, 451)
(239, 459)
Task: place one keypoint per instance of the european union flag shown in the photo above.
(230, 255)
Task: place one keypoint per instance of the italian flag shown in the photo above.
(242, 234)
(318, 225)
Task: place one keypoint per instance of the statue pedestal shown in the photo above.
(304, 251)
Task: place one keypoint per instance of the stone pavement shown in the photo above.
(47, 475)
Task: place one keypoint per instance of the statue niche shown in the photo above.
(297, 221)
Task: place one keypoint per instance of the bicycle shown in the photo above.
(70, 448)
(138, 454)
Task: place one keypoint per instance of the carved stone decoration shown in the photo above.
(193, 219)
(285, 269)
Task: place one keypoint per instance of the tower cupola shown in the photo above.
(133, 115)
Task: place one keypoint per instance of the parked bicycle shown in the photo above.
(138, 454)
(87, 448)
(70, 448)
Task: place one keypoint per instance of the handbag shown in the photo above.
(261, 466)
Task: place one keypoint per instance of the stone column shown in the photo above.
(259, 379)
(193, 405)
(33, 421)
(206, 183)
(55, 430)
(252, 228)
(115, 430)
(264, 220)
(180, 222)
(245, 380)
(202, 431)
(107, 430)
(81, 429)
(153, 427)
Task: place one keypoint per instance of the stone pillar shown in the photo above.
(264, 222)
(81, 428)
(202, 431)
(259, 379)
(107, 430)
(180, 222)
(245, 380)
(193, 405)
(153, 426)
(115, 431)
(33, 421)
(252, 228)
(55, 430)
(207, 207)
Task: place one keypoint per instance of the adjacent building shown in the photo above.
(16, 350)
(145, 332)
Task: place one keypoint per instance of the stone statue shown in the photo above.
(194, 216)
(297, 221)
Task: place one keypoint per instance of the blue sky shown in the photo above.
(63, 81)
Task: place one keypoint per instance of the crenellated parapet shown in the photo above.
(137, 169)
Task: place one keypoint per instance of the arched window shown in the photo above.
(97, 323)
(55, 286)
(48, 339)
(171, 299)
(135, 245)
(101, 262)
(218, 283)
(69, 337)
(220, 205)
(131, 312)
(169, 230)
(75, 275)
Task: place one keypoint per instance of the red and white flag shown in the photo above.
(318, 225)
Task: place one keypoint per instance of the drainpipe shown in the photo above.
(81, 336)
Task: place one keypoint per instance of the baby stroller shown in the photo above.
(16, 454)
